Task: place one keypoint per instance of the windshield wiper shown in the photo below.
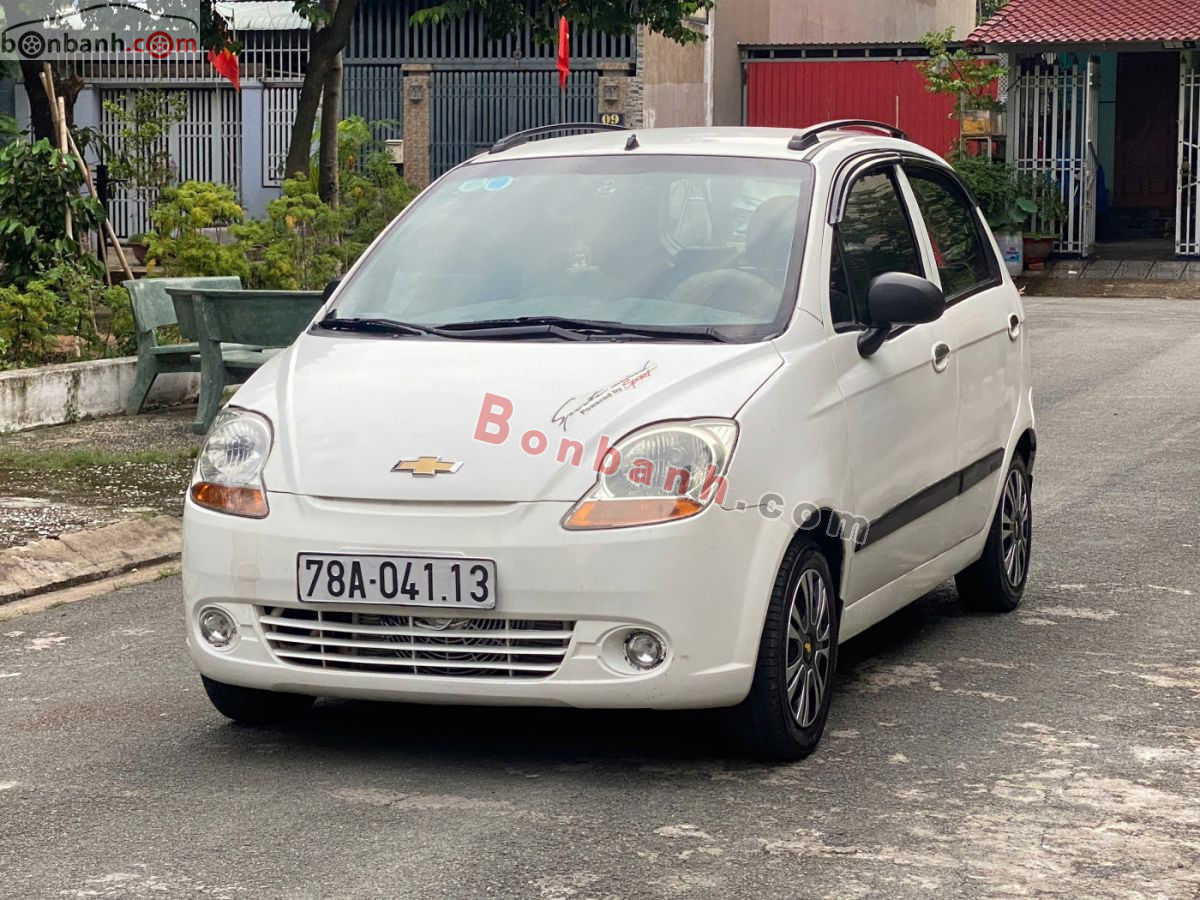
(577, 329)
(373, 326)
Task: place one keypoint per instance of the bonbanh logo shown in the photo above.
(50, 29)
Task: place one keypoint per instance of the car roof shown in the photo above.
(831, 147)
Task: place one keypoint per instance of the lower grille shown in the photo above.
(416, 645)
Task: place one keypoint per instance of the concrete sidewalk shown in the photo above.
(65, 478)
(92, 499)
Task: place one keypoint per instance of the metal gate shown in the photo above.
(206, 146)
(374, 91)
(472, 110)
(1054, 111)
(1187, 223)
(279, 112)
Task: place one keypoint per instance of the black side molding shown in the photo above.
(931, 498)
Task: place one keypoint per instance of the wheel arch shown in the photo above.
(829, 532)
(1027, 447)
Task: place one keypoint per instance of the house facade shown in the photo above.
(708, 83)
(1106, 101)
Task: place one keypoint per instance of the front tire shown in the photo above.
(996, 582)
(783, 716)
(250, 706)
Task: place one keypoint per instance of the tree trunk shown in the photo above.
(325, 44)
(331, 114)
(41, 118)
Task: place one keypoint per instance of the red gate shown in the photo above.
(798, 93)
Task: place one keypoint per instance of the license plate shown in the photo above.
(397, 580)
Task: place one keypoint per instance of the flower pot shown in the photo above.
(1037, 251)
(139, 251)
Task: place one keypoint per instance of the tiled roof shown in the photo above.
(1091, 22)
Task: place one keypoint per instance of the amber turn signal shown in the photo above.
(250, 502)
(623, 513)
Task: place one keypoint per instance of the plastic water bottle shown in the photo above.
(1012, 248)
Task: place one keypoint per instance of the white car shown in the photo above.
(624, 419)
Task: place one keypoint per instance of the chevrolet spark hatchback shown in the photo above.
(624, 420)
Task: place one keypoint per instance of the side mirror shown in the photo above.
(330, 287)
(897, 299)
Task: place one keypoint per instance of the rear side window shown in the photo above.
(963, 259)
(874, 237)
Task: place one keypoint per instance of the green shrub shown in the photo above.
(26, 324)
(303, 242)
(68, 299)
(38, 185)
(178, 244)
(299, 245)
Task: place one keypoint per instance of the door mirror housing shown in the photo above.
(330, 287)
(897, 299)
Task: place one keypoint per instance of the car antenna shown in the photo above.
(632, 143)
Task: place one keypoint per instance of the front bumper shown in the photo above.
(702, 584)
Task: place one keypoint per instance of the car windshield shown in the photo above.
(686, 244)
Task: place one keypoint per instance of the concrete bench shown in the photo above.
(261, 322)
(154, 309)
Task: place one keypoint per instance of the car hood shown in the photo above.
(348, 410)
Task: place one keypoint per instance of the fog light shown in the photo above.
(217, 627)
(644, 650)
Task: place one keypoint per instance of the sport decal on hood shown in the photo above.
(581, 406)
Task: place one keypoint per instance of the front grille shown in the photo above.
(416, 645)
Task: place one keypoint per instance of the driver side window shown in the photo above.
(874, 237)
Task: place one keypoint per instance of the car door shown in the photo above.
(900, 403)
(984, 319)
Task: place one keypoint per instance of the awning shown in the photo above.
(261, 15)
(1053, 22)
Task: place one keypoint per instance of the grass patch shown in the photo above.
(90, 458)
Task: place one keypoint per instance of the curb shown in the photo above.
(82, 556)
(1050, 286)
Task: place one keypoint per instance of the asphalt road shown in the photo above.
(1053, 751)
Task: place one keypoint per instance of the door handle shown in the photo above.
(941, 356)
(1014, 326)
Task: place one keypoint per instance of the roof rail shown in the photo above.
(522, 137)
(809, 137)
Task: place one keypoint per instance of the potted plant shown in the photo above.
(970, 80)
(994, 185)
(1045, 211)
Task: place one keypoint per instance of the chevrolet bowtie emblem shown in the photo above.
(427, 466)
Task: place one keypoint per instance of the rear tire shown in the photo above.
(254, 707)
(783, 716)
(996, 582)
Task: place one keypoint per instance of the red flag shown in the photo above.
(226, 64)
(564, 51)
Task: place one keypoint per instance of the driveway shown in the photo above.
(1053, 751)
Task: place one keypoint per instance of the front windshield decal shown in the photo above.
(583, 405)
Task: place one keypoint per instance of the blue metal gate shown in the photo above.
(373, 91)
(471, 110)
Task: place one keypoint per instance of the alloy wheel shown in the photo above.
(809, 640)
(1015, 528)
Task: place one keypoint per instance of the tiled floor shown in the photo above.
(1121, 269)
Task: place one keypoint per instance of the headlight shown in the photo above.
(659, 473)
(228, 476)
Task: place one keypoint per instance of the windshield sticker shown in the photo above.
(583, 405)
(471, 184)
(499, 183)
